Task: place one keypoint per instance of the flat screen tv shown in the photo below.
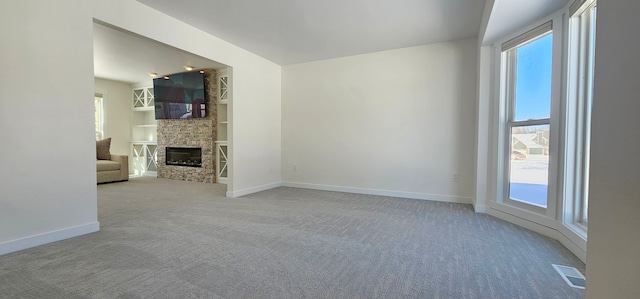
(180, 96)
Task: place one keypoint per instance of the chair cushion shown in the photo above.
(106, 165)
(103, 149)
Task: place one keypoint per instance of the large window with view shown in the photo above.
(527, 89)
(543, 126)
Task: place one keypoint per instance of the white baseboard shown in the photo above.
(480, 208)
(251, 190)
(44, 238)
(573, 242)
(552, 232)
(401, 194)
(530, 225)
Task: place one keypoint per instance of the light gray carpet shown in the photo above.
(172, 239)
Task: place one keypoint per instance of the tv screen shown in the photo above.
(180, 96)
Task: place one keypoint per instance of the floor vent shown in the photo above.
(571, 275)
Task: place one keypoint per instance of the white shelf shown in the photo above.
(148, 108)
(222, 146)
(144, 141)
(144, 149)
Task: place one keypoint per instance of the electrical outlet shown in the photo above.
(455, 178)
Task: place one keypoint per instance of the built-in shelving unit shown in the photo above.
(222, 162)
(144, 144)
(144, 157)
(222, 146)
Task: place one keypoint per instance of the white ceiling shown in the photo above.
(508, 16)
(295, 31)
(126, 57)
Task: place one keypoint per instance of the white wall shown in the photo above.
(117, 104)
(483, 125)
(399, 122)
(614, 195)
(48, 181)
(255, 126)
(254, 131)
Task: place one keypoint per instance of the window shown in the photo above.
(527, 74)
(582, 36)
(543, 123)
(99, 116)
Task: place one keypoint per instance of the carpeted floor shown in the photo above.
(172, 239)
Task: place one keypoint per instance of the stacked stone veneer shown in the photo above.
(194, 132)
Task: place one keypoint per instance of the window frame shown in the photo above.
(558, 222)
(581, 59)
(99, 116)
(537, 214)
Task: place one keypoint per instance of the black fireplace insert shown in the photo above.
(184, 156)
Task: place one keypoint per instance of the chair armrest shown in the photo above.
(124, 165)
(122, 159)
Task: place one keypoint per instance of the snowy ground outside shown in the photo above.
(529, 179)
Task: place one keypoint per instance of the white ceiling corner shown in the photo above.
(509, 16)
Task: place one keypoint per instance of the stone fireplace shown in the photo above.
(186, 138)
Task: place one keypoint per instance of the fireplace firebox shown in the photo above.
(184, 156)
